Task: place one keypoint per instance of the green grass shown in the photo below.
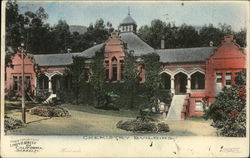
(92, 109)
(198, 118)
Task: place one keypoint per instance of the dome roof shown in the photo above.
(128, 20)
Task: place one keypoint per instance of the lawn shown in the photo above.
(86, 120)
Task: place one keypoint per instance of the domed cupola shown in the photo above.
(128, 24)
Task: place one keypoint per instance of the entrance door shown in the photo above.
(180, 83)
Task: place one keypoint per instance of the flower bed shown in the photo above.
(11, 123)
(50, 111)
(141, 124)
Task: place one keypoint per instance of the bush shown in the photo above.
(41, 95)
(50, 111)
(143, 125)
(11, 123)
(229, 111)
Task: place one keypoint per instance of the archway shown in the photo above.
(43, 82)
(56, 83)
(180, 83)
(197, 80)
(165, 81)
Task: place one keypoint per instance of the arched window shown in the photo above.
(122, 69)
(165, 81)
(114, 69)
(107, 69)
(43, 82)
(197, 81)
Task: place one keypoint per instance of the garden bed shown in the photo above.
(143, 124)
(11, 123)
(50, 111)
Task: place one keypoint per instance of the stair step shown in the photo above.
(175, 109)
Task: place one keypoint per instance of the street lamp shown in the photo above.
(23, 94)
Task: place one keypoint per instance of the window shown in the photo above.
(197, 81)
(43, 82)
(107, 69)
(114, 75)
(15, 83)
(228, 79)
(122, 69)
(114, 69)
(218, 77)
(198, 106)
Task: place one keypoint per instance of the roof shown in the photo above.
(53, 59)
(90, 52)
(136, 44)
(198, 54)
(66, 58)
(128, 20)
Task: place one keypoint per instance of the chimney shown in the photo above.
(162, 44)
(211, 44)
(228, 38)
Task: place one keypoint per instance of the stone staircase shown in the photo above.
(175, 109)
(49, 99)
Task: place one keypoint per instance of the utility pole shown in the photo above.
(23, 93)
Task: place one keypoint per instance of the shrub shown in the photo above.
(143, 125)
(41, 95)
(50, 111)
(229, 111)
(11, 123)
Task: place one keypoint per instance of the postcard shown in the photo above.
(125, 79)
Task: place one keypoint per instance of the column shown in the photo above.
(50, 84)
(110, 69)
(188, 85)
(118, 70)
(172, 85)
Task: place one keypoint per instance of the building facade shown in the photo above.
(193, 75)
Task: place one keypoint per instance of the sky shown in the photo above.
(193, 13)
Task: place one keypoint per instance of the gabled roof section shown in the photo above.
(90, 52)
(199, 54)
(53, 59)
(128, 20)
(65, 59)
(134, 43)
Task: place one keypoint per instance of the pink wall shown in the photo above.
(16, 70)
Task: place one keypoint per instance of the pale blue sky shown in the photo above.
(194, 13)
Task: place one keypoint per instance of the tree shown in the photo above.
(157, 31)
(187, 37)
(62, 36)
(210, 33)
(152, 69)
(78, 77)
(36, 36)
(240, 37)
(228, 112)
(97, 78)
(97, 33)
(131, 80)
(14, 25)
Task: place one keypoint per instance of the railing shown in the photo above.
(186, 105)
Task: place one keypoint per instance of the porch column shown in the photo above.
(172, 84)
(50, 84)
(188, 84)
(118, 70)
